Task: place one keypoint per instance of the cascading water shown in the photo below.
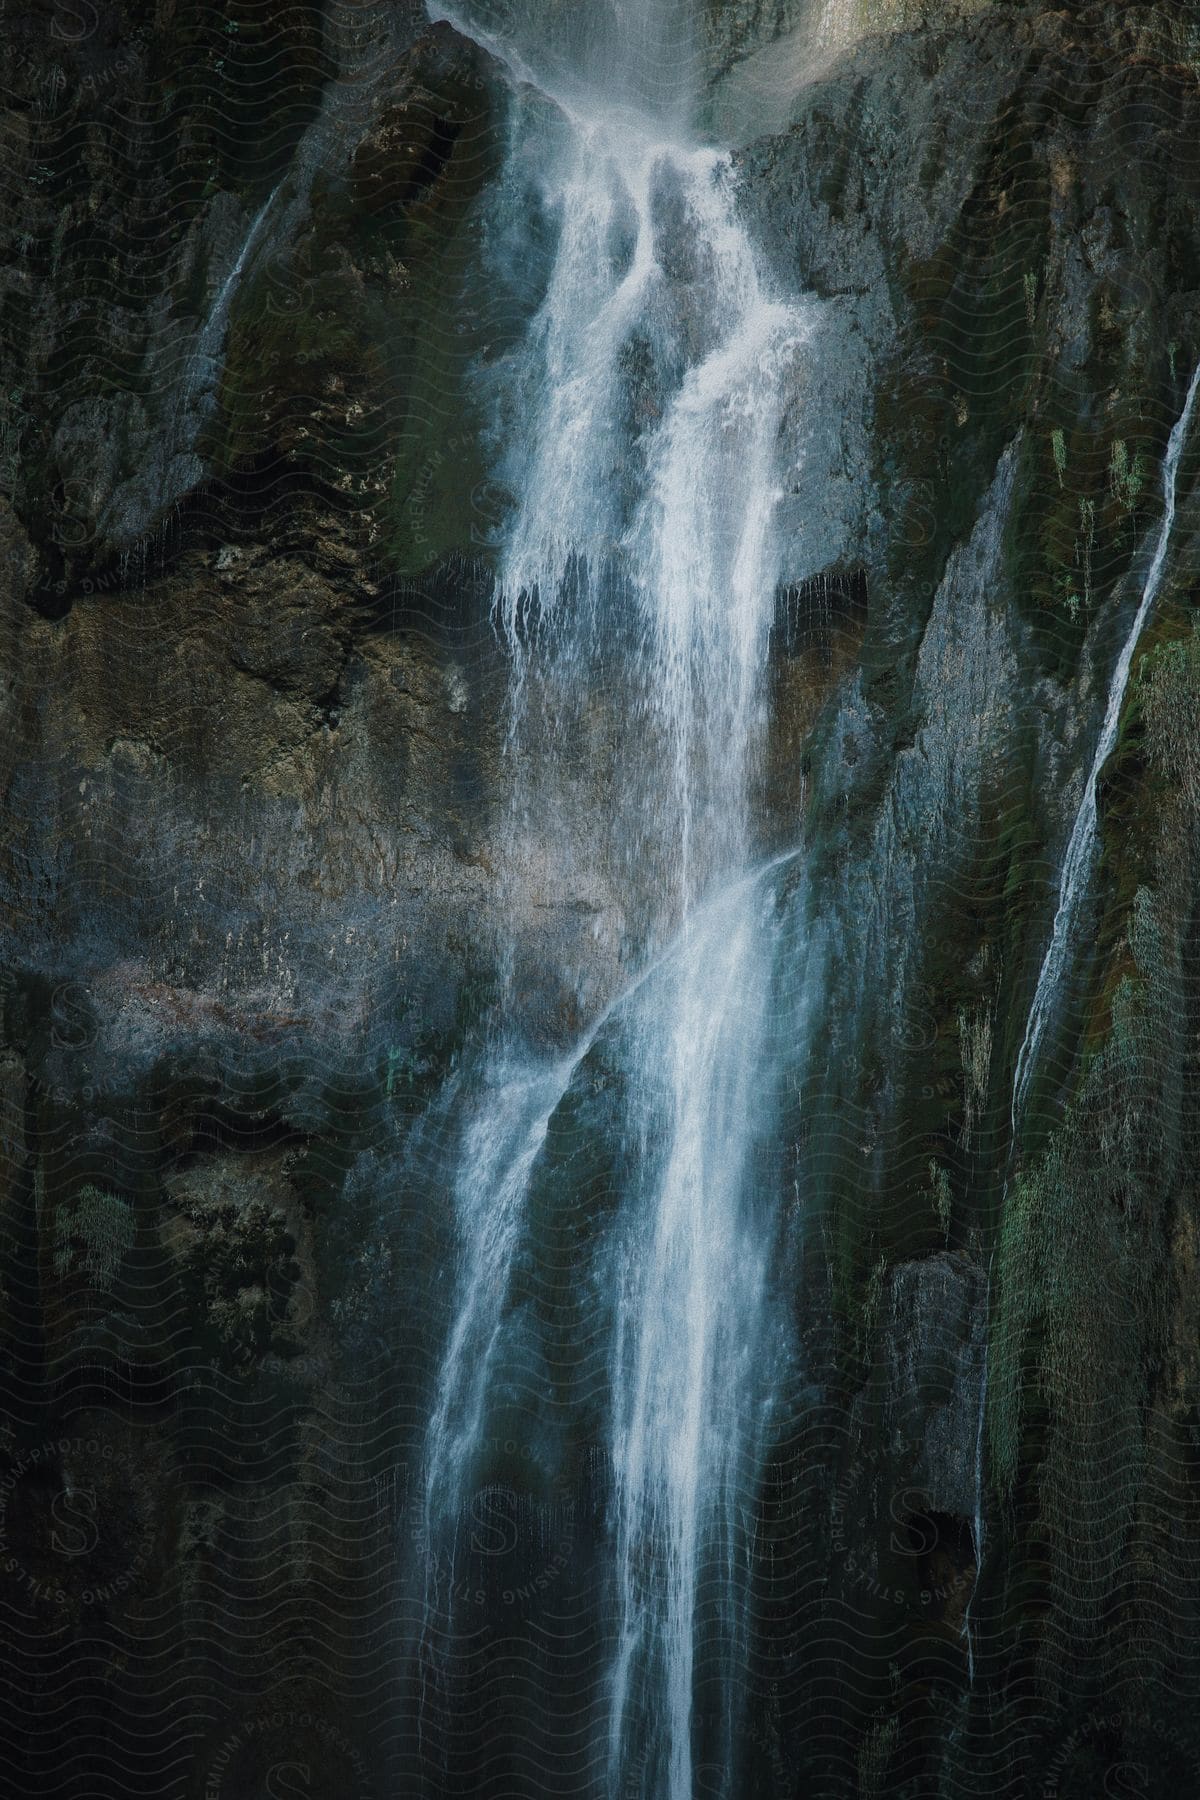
(1077, 863)
(647, 399)
(690, 1365)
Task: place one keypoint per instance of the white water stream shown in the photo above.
(1077, 863)
(655, 309)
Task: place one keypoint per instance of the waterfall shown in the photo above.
(1077, 863)
(643, 409)
(691, 1357)
(692, 553)
(204, 362)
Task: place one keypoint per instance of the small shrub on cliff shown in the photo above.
(1169, 678)
(92, 1234)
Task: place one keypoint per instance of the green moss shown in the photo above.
(875, 1755)
(1030, 283)
(938, 1195)
(870, 1308)
(1127, 478)
(1167, 691)
(92, 1234)
(1058, 446)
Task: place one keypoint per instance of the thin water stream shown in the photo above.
(1081, 846)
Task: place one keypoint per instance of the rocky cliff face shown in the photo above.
(257, 869)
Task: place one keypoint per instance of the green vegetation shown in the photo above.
(875, 1755)
(1030, 281)
(938, 1195)
(92, 1234)
(870, 1310)
(1127, 479)
(1169, 692)
(1059, 446)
